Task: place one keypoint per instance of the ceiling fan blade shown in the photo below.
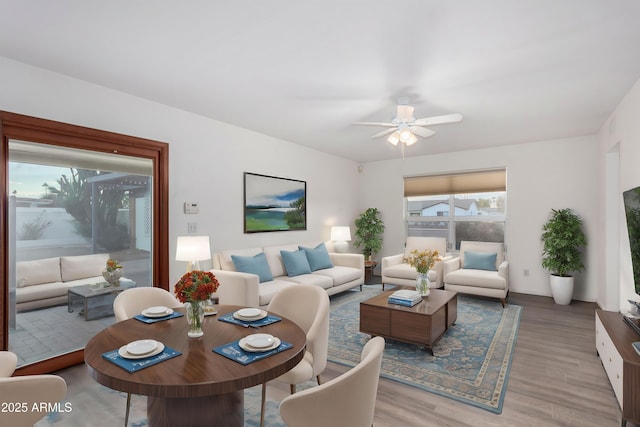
(447, 118)
(425, 133)
(384, 132)
(373, 124)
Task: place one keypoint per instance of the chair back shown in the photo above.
(132, 301)
(348, 400)
(425, 243)
(308, 307)
(488, 247)
(34, 391)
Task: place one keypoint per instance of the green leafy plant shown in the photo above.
(564, 241)
(369, 229)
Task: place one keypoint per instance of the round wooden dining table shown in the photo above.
(198, 387)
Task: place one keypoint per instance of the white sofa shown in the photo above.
(44, 282)
(241, 288)
(481, 269)
(396, 271)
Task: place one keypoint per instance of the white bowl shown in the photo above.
(249, 312)
(159, 309)
(141, 347)
(260, 340)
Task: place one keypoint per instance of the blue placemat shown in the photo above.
(234, 352)
(134, 365)
(146, 319)
(260, 322)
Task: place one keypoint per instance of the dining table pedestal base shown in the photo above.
(220, 410)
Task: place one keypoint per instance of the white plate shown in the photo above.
(126, 355)
(141, 347)
(259, 340)
(158, 309)
(146, 313)
(249, 312)
(262, 315)
(246, 347)
(210, 310)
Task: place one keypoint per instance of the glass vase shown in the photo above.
(195, 317)
(422, 284)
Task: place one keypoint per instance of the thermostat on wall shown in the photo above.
(191, 208)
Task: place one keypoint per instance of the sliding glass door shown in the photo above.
(73, 200)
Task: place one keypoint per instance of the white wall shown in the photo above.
(540, 176)
(207, 158)
(620, 134)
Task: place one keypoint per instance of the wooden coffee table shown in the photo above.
(423, 324)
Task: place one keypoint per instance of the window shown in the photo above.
(463, 206)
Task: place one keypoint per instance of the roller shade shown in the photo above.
(466, 182)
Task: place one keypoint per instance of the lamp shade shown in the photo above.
(341, 233)
(193, 248)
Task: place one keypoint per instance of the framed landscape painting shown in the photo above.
(274, 204)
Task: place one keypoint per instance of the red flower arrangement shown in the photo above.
(196, 285)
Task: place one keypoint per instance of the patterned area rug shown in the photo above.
(469, 364)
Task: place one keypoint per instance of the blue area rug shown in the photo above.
(469, 364)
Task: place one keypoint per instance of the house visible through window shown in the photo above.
(462, 206)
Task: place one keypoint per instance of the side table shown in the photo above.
(369, 266)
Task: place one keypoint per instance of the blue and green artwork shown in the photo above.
(273, 204)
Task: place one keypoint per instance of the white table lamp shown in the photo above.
(340, 236)
(193, 249)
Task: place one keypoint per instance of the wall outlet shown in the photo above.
(526, 272)
(192, 227)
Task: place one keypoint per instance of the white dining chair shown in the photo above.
(348, 400)
(131, 302)
(308, 307)
(29, 391)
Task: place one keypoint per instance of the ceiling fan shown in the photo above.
(404, 127)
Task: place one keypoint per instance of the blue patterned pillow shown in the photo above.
(480, 260)
(295, 262)
(318, 257)
(256, 264)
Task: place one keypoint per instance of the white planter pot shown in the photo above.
(561, 289)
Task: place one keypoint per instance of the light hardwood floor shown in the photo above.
(556, 379)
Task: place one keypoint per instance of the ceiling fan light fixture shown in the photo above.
(412, 140)
(406, 136)
(394, 138)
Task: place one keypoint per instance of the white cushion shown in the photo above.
(425, 243)
(38, 271)
(40, 292)
(269, 289)
(325, 282)
(476, 278)
(275, 259)
(82, 266)
(401, 271)
(340, 274)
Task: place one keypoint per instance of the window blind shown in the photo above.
(456, 183)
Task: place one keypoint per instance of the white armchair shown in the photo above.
(37, 393)
(481, 269)
(396, 271)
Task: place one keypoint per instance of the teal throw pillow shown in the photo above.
(480, 260)
(318, 257)
(256, 264)
(295, 262)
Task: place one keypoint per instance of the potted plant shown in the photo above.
(369, 228)
(562, 252)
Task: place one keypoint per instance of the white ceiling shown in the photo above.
(517, 70)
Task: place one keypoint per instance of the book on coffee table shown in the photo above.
(405, 297)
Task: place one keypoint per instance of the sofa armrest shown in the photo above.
(237, 288)
(388, 261)
(347, 260)
(503, 271)
(450, 265)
